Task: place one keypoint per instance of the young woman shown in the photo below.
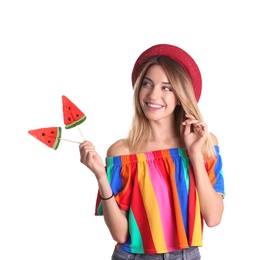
(160, 183)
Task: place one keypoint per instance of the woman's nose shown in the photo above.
(154, 93)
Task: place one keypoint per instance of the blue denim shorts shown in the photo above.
(191, 253)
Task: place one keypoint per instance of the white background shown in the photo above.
(86, 50)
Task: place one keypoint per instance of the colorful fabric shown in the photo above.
(159, 192)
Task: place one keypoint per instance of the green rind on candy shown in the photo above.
(57, 141)
(78, 122)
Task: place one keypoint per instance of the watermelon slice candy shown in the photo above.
(72, 115)
(50, 136)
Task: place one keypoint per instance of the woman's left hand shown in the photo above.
(195, 134)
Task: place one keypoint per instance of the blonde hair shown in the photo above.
(180, 81)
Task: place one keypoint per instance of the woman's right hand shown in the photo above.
(90, 158)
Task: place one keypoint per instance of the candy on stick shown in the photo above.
(50, 136)
(72, 115)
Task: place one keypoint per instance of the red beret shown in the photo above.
(175, 53)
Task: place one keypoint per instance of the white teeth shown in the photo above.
(154, 106)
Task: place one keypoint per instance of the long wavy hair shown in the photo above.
(140, 130)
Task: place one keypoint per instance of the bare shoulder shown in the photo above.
(214, 139)
(117, 148)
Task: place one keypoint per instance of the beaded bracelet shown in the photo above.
(108, 197)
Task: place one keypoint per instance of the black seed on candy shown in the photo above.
(43, 134)
(49, 141)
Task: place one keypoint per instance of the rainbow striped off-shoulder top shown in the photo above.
(158, 190)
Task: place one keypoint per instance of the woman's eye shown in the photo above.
(167, 88)
(146, 84)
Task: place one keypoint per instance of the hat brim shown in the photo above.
(178, 55)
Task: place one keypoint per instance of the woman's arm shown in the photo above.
(211, 202)
(115, 218)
